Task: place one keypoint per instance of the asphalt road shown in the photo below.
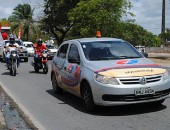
(33, 94)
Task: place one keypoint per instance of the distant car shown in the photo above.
(108, 72)
(52, 52)
(23, 54)
(142, 50)
(29, 46)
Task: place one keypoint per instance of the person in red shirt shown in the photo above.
(38, 48)
(4, 35)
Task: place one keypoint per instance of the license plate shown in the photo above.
(144, 91)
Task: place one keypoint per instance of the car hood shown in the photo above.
(30, 49)
(126, 67)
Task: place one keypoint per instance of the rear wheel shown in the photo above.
(87, 97)
(56, 88)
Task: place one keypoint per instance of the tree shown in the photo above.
(55, 18)
(23, 13)
(92, 15)
(83, 17)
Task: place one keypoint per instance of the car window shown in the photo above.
(29, 45)
(51, 47)
(62, 51)
(108, 50)
(73, 52)
(19, 42)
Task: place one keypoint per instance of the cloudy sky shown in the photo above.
(148, 13)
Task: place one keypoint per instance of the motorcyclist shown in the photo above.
(38, 48)
(12, 45)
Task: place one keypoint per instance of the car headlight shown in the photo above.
(165, 75)
(105, 79)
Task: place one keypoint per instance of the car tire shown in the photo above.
(87, 97)
(56, 88)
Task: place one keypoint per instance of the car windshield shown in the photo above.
(50, 47)
(29, 45)
(109, 50)
(19, 42)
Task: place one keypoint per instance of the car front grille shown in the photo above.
(132, 97)
(136, 80)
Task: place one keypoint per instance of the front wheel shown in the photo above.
(45, 69)
(13, 69)
(87, 97)
(25, 59)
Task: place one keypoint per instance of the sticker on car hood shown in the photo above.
(131, 71)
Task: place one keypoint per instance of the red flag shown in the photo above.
(6, 24)
(20, 31)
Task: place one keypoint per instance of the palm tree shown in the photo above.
(22, 14)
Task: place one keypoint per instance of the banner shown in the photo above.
(0, 26)
(20, 31)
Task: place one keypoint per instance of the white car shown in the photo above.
(108, 72)
(29, 46)
(52, 51)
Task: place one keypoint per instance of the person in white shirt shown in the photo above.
(12, 45)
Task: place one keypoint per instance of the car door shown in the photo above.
(71, 67)
(58, 62)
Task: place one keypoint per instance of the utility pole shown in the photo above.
(163, 22)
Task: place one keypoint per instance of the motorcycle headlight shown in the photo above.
(165, 75)
(44, 55)
(105, 79)
(14, 54)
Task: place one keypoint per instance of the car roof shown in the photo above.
(95, 39)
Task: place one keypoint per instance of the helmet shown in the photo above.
(39, 41)
(12, 40)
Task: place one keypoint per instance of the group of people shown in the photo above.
(38, 47)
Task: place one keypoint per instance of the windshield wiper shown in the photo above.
(127, 57)
(101, 58)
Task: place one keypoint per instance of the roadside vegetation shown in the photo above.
(68, 19)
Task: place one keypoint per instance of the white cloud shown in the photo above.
(7, 6)
(149, 14)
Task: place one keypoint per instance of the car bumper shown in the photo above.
(23, 55)
(111, 95)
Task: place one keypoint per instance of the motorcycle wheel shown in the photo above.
(13, 70)
(36, 69)
(45, 69)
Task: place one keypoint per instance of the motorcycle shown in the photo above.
(41, 62)
(12, 65)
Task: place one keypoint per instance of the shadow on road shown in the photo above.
(136, 109)
(33, 72)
